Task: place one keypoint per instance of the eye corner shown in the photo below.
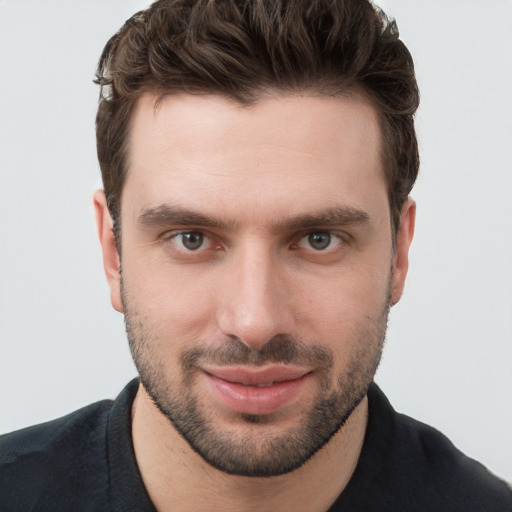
(186, 240)
(192, 244)
(318, 240)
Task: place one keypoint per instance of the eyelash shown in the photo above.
(333, 236)
(173, 236)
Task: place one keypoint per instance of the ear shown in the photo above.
(401, 256)
(111, 260)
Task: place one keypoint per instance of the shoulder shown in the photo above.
(54, 458)
(449, 474)
(422, 466)
(34, 440)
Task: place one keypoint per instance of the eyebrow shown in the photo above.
(168, 215)
(330, 217)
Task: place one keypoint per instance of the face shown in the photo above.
(257, 270)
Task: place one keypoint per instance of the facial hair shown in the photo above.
(260, 451)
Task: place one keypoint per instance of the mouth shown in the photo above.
(256, 391)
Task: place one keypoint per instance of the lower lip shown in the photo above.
(254, 400)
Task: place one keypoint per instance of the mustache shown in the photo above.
(282, 349)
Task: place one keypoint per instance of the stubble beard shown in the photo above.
(259, 452)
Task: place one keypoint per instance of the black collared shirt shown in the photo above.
(85, 462)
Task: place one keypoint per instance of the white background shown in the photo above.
(448, 359)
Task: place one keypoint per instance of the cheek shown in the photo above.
(171, 303)
(346, 307)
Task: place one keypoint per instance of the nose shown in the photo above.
(256, 303)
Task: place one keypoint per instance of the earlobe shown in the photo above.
(404, 238)
(111, 260)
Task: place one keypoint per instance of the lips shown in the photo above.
(258, 391)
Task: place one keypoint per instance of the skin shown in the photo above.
(264, 173)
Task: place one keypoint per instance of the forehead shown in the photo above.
(209, 151)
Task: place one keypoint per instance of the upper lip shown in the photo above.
(256, 376)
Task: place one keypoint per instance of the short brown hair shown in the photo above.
(244, 48)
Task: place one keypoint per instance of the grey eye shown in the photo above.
(192, 240)
(319, 241)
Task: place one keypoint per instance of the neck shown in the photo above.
(177, 478)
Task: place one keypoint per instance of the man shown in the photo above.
(257, 159)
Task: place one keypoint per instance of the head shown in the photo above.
(257, 159)
(244, 50)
